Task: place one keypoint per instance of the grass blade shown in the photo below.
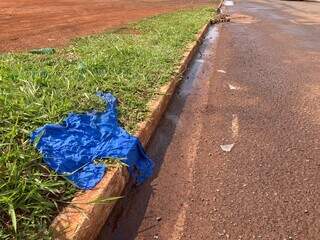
(12, 214)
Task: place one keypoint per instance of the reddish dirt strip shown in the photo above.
(52, 23)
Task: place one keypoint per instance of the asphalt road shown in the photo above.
(256, 90)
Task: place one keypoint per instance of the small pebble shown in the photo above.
(158, 219)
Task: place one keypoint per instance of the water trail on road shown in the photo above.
(190, 82)
(193, 81)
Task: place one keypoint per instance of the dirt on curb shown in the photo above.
(50, 23)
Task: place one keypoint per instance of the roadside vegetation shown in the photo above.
(35, 89)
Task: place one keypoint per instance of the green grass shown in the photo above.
(40, 89)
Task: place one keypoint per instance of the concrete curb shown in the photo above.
(82, 219)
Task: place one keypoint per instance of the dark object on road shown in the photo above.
(221, 18)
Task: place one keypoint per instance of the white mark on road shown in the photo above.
(235, 126)
(228, 3)
(303, 22)
(200, 60)
(227, 147)
(232, 87)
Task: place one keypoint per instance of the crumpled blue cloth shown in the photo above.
(70, 148)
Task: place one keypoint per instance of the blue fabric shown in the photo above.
(72, 147)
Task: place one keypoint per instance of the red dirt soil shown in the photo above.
(27, 24)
